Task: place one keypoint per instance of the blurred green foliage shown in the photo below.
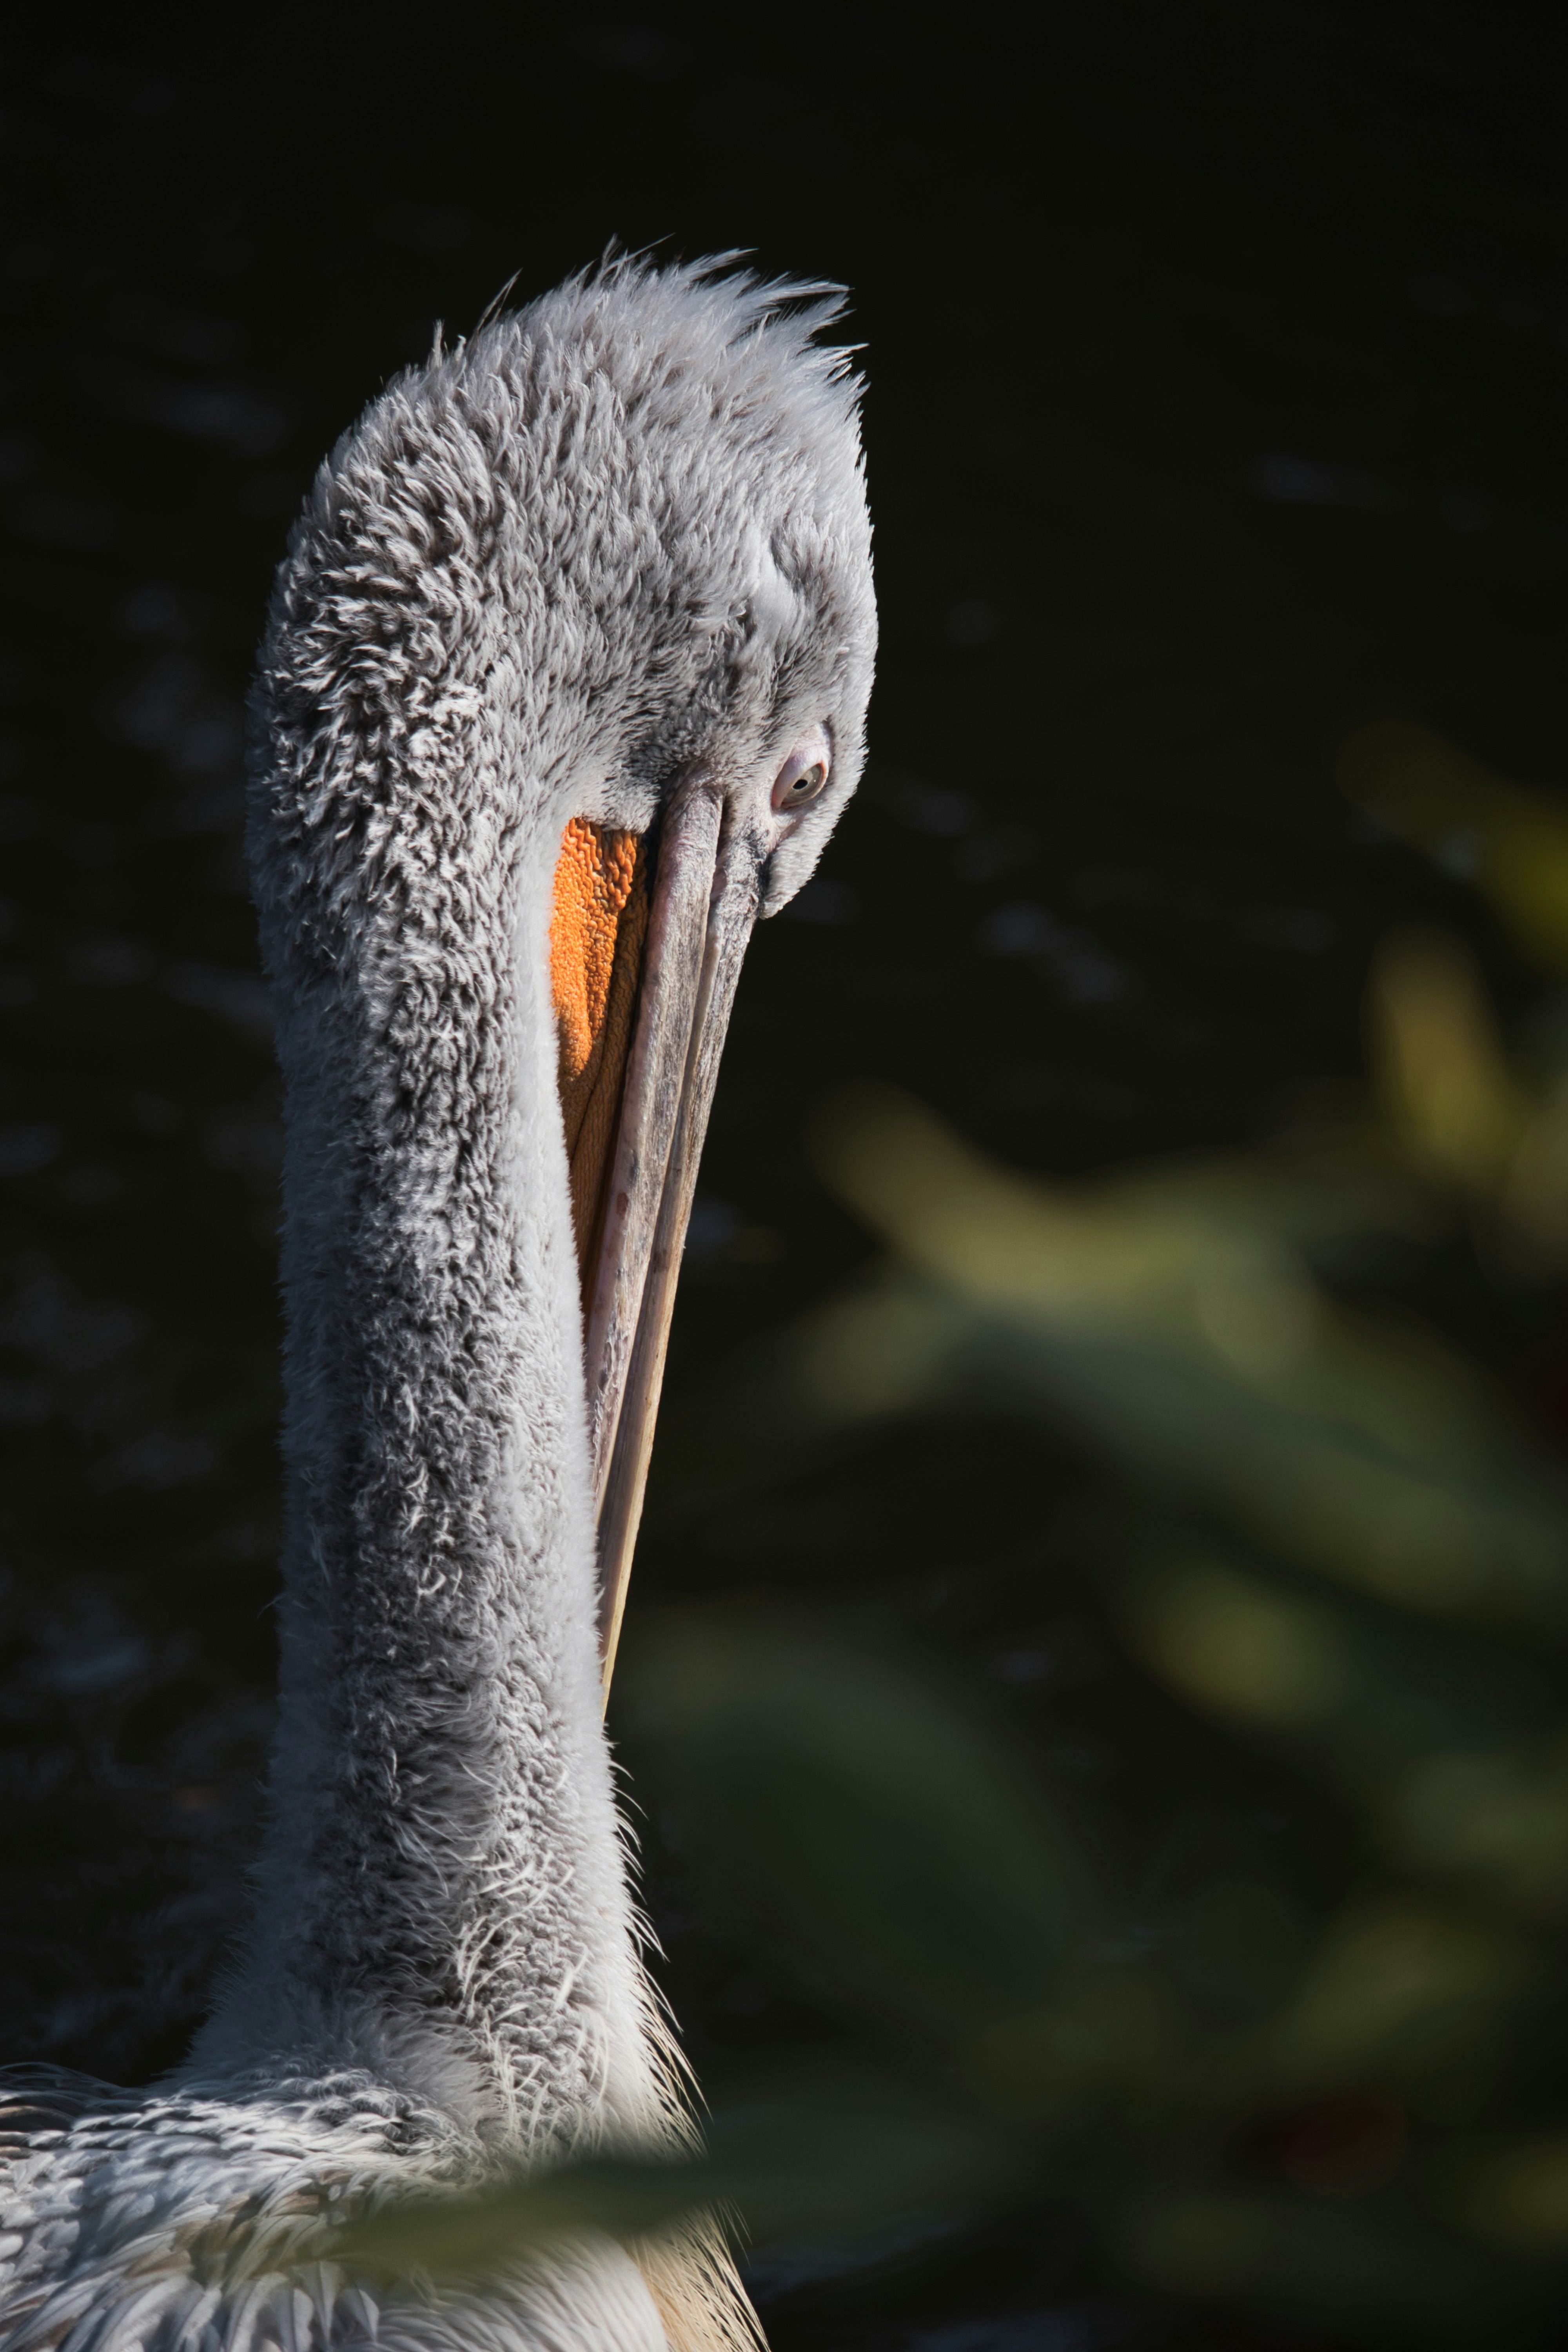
(894, 1838)
(833, 2155)
(1513, 842)
(1333, 2110)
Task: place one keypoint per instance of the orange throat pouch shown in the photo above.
(598, 929)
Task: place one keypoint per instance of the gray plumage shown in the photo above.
(615, 537)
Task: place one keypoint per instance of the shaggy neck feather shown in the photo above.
(441, 1898)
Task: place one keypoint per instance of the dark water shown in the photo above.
(1217, 361)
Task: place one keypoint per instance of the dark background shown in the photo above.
(1216, 361)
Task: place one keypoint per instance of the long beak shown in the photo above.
(704, 905)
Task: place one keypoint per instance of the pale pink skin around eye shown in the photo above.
(804, 774)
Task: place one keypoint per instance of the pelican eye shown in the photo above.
(802, 777)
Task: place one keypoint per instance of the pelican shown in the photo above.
(564, 684)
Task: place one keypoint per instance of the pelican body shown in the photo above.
(576, 627)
